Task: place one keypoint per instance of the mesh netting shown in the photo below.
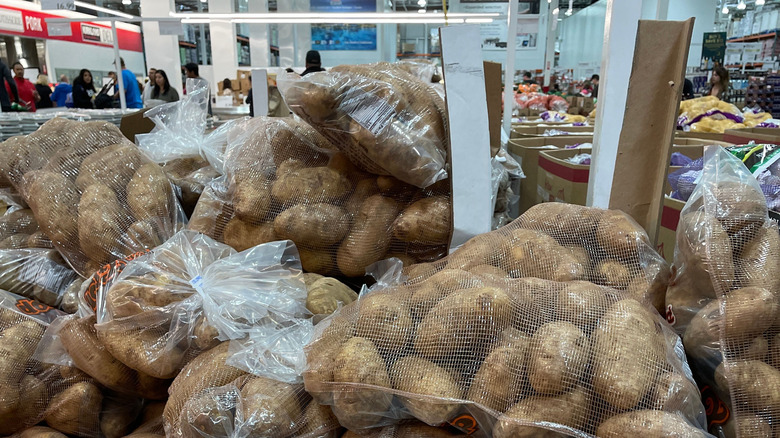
(384, 119)
(283, 181)
(723, 298)
(409, 429)
(31, 391)
(93, 193)
(547, 324)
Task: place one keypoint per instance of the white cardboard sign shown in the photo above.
(260, 91)
(172, 27)
(464, 82)
(47, 5)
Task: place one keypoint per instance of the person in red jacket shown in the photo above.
(28, 95)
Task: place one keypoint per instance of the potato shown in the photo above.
(651, 285)
(758, 260)
(463, 320)
(321, 356)
(704, 246)
(490, 272)
(618, 233)
(419, 376)
(149, 193)
(774, 351)
(581, 303)
(648, 424)
(17, 345)
(209, 413)
(117, 416)
(614, 274)
(427, 221)
(242, 235)
(112, 166)
(145, 351)
(363, 190)
(252, 199)
(17, 241)
(312, 184)
(210, 215)
(475, 252)
(315, 225)
(673, 392)
(384, 318)
(687, 294)
(17, 222)
(559, 353)
(369, 238)
(571, 409)
(623, 373)
(319, 422)
(358, 361)
(439, 285)
(754, 384)
(204, 334)
(269, 407)
(41, 432)
(309, 278)
(75, 410)
(738, 206)
(419, 430)
(564, 222)
(30, 397)
(327, 294)
(753, 425)
(100, 224)
(55, 200)
(534, 254)
(499, 383)
(133, 296)
(323, 262)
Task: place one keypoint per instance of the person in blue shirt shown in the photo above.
(132, 92)
(61, 92)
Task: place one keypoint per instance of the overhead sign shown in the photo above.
(69, 5)
(342, 5)
(171, 27)
(343, 37)
(713, 49)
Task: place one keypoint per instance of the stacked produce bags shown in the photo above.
(710, 114)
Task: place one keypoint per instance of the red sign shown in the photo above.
(32, 24)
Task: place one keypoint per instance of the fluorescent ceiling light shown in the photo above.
(760, 2)
(326, 16)
(422, 3)
(741, 5)
(555, 11)
(126, 2)
(421, 20)
(725, 10)
(569, 12)
(104, 10)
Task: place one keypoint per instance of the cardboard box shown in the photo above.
(526, 152)
(246, 85)
(538, 131)
(704, 135)
(223, 101)
(667, 232)
(134, 124)
(759, 135)
(243, 74)
(560, 180)
(408, 47)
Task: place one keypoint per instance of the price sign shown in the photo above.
(58, 4)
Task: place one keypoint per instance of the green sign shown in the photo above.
(713, 50)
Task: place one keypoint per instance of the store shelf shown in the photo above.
(418, 55)
(187, 44)
(756, 37)
(747, 65)
(242, 39)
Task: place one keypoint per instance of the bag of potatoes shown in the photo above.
(382, 118)
(284, 181)
(547, 326)
(94, 194)
(724, 299)
(32, 391)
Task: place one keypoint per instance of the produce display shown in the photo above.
(541, 102)
(283, 180)
(548, 325)
(93, 193)
(710, 114)
(723, 299)
(383, 119)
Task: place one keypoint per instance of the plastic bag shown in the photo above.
(708, 114)
(93, 192)
(423, 70)
(385, 120)
(557, 103)
(283, 182)
(40, 274)
(537, 101)
(544, 325)
(723, 298)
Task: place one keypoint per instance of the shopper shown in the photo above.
(313, 62)
(719, 82)
(528, 79)
(162, 88)
(191, 70)
(61, 92)
(84, 90)
(5, 74)
(132, 91)
(44, 90)
(227, 87)
(687, 92)
(150, 81)
(28, 96)
(595, 81)
(250, 99)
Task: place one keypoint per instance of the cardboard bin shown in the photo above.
(759, 135)
(559, 180)
(538, 131)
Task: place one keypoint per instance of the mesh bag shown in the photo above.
(546, 325)
(723, 298)
(31, 391)
(423, 70)
(410, 429)
(283, 182)
(385, 120)
(93, 193)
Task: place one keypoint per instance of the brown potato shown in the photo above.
(565, 222)
(75, 410)
(112, 166)
(416, 375)
(269, 407)
(327, 294)
(204, 334)
(623, 373)
(673, 392)
(581, 303)
(100, 224)
(17, 222)
(534, 254)
(614, 274)
(571, 409)
(428, 221)
(759, 260)
(559, 353)
(314, 225)
(55, 200)
(241, 235)
(319, 422)
(40, 432)
(499, 383)
(486, 311)
(618, 233)
(322, 262)
(117, 415)
(753, 383)
(490, 272)
(706, 251)
(321, 355)
(252, 199)
(384, 318)
(369, 238)
(438, 286)
(146, 352)
(149, 193)
(313, 184)
(648, 424)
